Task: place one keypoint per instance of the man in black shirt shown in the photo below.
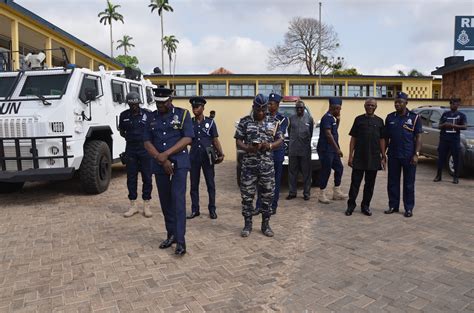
(366, 155)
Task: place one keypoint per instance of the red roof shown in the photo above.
(221, 71)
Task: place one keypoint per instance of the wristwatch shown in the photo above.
(417, 154)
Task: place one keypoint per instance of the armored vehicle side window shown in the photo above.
(45, 85)
(118, 91)
(149, 95)
(137, 89)
(6, 84)
(90, 82)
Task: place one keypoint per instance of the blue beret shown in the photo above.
(197, 101)
(162, 94)
(335, 101)
(260, 101)
(274, 97)
(401, 95)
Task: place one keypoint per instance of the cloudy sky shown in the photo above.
(377, 36)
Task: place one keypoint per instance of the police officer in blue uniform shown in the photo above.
(278, 153)
(170, 131)
(202, 155)
(451, 124)
(330, 152)
(132, 125)
(403, 132)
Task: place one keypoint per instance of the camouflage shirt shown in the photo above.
(251, 131)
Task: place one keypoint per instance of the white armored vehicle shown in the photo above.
(55, 122)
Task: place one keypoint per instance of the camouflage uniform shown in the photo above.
(257, 168)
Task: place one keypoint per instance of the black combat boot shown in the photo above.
(455, 179)
(438, 177)
(247, 227)
(266, 230)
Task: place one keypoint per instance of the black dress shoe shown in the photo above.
(289, 197)
(455, 180)
(408, 214)
(306, 198)
(212, 215)
(180, 249)
(390, 211)
(348, 212)
(168, 242)
(366, 211)
(193, 215)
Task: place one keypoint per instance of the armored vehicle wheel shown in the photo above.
(96, 167)
(10, 187)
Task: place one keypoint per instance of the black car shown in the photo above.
(287, 108)
(430, 116)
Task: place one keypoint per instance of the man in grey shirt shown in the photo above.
(300, 131)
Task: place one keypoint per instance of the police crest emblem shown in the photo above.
(463, 38)
(175, 122)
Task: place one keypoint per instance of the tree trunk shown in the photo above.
(111, 41)
(162, 47)
(174, 66)
(170, 62)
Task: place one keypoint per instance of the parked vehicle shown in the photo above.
(55, 122)
(287, 108)
(430, 116)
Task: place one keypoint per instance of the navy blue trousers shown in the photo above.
(278, 158)
(199, 161)
(446, 147)
(395, 168)
(172, 192)
(330, 160)
(138, 161)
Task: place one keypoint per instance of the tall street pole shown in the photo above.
(319, 48)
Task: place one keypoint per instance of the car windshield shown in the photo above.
(470, 117)
(6, 84)
(45, 85)
(289, 110)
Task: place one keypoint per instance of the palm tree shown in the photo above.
(160, 6)
(106, 17)
(170, 43)
(125, 43)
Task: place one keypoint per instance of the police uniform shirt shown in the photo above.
(283, 123)
(204, 133)
(402, 130)
(249, 131)
(456, 118)
(134, 126)
(328, 121)
(368, 131)
(165, 130)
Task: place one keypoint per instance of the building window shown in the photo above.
(241, 90)
(217, 90)
(357, 90)
(386, 91)
(331, 90)
(267, 89)
(185, 90)
(302, 90)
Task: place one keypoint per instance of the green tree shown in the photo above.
(125, 43)
(107, 16)
(413, 73)
(128, 61)
(160, 6)
(170, 43)
(347, 72)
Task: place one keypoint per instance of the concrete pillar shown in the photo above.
(72, 56)
(91, 64)
(226, 87)
(287, 87)
(197, 88)
(15, 45)
(346, 84)
(256, 87)
(48, 44)
(375, 90)
(316, 91)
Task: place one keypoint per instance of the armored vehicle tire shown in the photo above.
(10, 187)
(96, 167)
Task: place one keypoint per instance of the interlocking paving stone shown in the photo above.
(64, 251)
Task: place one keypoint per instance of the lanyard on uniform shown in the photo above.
(412, 129)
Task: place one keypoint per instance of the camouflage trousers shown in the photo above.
(255, 176)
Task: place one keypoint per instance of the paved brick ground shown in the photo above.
(63, 251)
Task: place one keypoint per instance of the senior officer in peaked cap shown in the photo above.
(170, 131)
(403, 129)
(278, 153)
(202, 155)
